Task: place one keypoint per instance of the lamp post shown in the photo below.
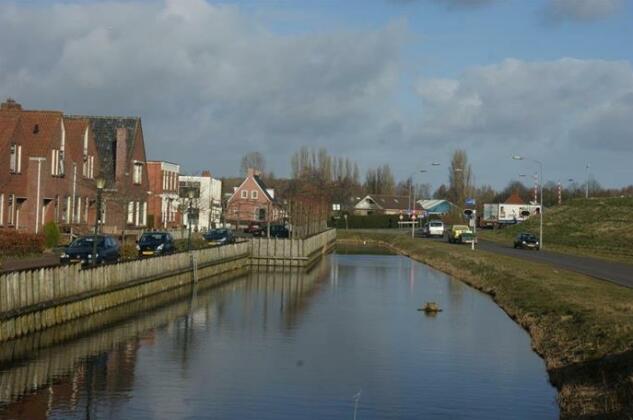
(100, 183)
(189, 212)
(540, 169)
(587, 180)
(411, 188)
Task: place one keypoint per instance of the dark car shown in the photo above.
(526, 241)
(276, 231)
(155, 243)
(220, 236)
(80, 250)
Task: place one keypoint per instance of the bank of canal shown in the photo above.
(286, 344)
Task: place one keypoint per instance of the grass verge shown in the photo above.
(582, 327)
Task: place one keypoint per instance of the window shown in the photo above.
(15, 160)
(57, 162)
(137, 216)
(144, 218)
(78, 211)
(137, 175)
(254, 194)
(68, 210)
(88, 166)
(130, 212)
(11, 208)
(244, 194)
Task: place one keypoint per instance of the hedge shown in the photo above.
(17, 244)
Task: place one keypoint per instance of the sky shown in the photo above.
(398, 82)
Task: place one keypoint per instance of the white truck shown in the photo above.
(496, 215)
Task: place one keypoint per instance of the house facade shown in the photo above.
(121, 151)
(253, 202)
(164, 194)
(49, 170)
(206, 202)
(385, 204)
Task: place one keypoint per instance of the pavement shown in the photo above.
(614, 272)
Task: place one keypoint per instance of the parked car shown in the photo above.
(80, 250)
(253, 228)
(219, 236)
(460, 234)
(433, 228)
(526, 241)
(155, 243)
(276, 231)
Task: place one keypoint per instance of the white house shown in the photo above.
(207, 200)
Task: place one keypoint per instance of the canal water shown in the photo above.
(344, 341)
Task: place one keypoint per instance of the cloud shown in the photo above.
(452, 4)
(581, 10)
(563, 110)
(209, 82)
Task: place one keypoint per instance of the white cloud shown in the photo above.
(209, 82)
(581, 10)
(561, 111)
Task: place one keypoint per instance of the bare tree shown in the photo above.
(460, 178)
(253, 160)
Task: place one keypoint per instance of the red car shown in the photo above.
(254, 228)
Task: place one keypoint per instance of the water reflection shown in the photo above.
(286, 344)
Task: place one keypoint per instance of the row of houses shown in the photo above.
(52, 164)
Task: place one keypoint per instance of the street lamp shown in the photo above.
(189, 212)
(540, 168)
(100, 183)
(412, 189)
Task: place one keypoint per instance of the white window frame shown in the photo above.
(137, 213)
(130, 212)
(254, 195)
(11, 220)
(78, 210)
(15, 158)
(244, 194)
(144, 218)
(137, 172)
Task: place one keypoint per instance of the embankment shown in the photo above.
(582, 327)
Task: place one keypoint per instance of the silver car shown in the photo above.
(434, 228)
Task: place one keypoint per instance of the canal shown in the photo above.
(342, 341)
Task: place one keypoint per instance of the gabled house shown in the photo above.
(253, 202)
(385, 204)
(121, 152)
(49, 170)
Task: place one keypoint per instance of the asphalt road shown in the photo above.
(614, 272)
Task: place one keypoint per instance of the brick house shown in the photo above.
(49, 171)
(51, 161)
(121, 151)
(253, 202)
(164, 199)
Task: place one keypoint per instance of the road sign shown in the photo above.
(470, 202)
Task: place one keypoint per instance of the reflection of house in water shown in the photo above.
(108, 373)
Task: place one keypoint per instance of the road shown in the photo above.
(614, 272)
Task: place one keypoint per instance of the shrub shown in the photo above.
(128, 250)
(374, 221)
(17, 244)
(52, 234)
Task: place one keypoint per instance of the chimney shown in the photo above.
(206, 174)
(10, 105)
(121, 164)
